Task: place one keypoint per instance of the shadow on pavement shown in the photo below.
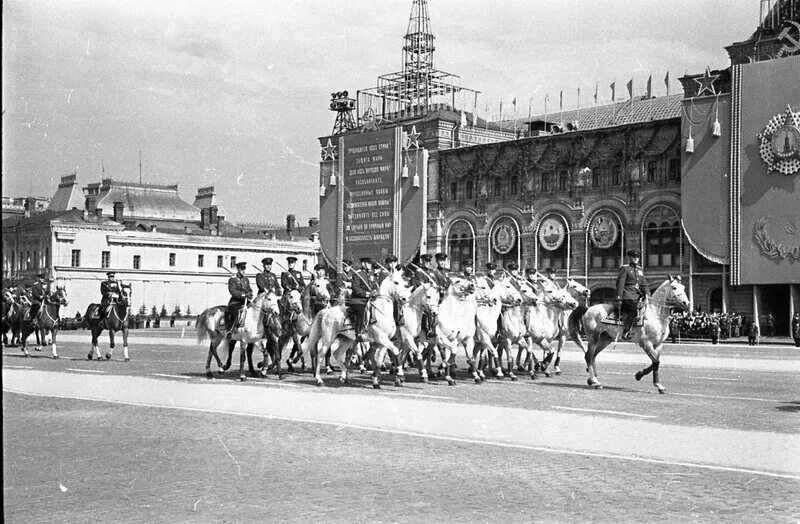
(791, 407)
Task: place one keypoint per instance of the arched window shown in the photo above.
(552, 242)
(662, 237)
(604, 241)
(504, 242)
(616, 176)
(514, 188)
(563, 181)
(498, 187)
(461, 244)
(469, 189)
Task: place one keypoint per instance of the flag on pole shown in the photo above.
(650, 86)
(596, 87)
(530, 106)
(561, 101)
(501, 110)
(613, 87)
(630, 88)
(666, 82)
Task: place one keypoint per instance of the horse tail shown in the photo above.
(314, 335)
(201, 326)
(575, 326)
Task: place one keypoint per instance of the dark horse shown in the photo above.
(116, 320)
(48, 319)
(12, 311)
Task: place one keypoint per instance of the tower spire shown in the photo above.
(418, 48)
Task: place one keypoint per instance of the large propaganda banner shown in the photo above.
(370, 204)
(765, 222)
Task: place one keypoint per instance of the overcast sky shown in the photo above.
(235, 93)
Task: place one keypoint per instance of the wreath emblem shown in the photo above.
(780, 143)
(771, 247)
(504, 238)
(552, 233)
(604, 231)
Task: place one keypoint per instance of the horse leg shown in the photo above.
(548, 350)
(208, 359)
(378, 354)
(55, 349)
(250, 367)
(231, 346)
(316, 362)
(242, 356)
(111, 343)
(655, 355)
(595, 346)
(125, 356)
(561, 339)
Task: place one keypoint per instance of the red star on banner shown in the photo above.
(413, 138)
(329, 151)
(706, 83)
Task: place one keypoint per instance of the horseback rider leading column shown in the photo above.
(239, 288)
(111, 292)
(39, 291)
(631, 289)
(424, 274)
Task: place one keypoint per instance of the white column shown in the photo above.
(691, 280)
(794, 303)
(724, 290)
(756, 296)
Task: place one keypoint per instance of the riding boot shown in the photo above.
(431, 326)
(626, 334)
(398, 315)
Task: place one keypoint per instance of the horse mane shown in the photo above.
(660, 290)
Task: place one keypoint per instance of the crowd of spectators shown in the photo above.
(716, 326)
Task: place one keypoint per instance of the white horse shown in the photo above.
(650, 336)
(211, 325)
(382, 326)
(456, 325)
(510, 328)
(423, 300)
(489, 304)
(330, 331)
(543, 319)
(580, 293)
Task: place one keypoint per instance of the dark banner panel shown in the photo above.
(768, 236)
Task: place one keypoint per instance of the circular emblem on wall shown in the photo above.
(552, 233)
(780, 143)
(604, 230)
(504, 238)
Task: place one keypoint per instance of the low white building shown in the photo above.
(171, 252)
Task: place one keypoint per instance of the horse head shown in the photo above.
(431, 302)
(60, 296)
(577, 289)
(125, 294)
(461, 287)
(8, 297)
(321, 288)
(396, 287)
(507, 292)
(294, 301)
(676, 294)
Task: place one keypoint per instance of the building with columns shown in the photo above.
(173, 253)
(574, 190)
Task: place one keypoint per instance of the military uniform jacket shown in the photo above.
(364, 282)
(423, 276)
(239, 288)
(38, 292)
(268, 281)
(292, 280)
(107, 289)
(631, 283)
(442, 277)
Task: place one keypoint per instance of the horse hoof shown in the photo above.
(55, 357)
(226, 367)
(242, 378)
(320, 383)
(221, 372)
(513, 378)
(37, 349)
(108, 356)
(477, 380)
(597, 386)
(263, 373)
(533, 376)
(639, 375)
(558, 371)
(329, 370)
(450, 381)
(89, 356)
(362, 371)
(661, 389)
(425, 380)
(398, 383)
(547, 374)
(342, 380)
(260, 365)
(127, 359)
(209, 375)
(376, 386)
(281, 377)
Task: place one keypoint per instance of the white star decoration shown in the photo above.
(329, 151)
(413, 138)
(706, 83)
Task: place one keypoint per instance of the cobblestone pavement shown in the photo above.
(78, 461)
(150, 464)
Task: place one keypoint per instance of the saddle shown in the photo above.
(613, 318)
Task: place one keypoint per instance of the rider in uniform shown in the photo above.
(631, 288)
(551, 275)
(110, 291)
(291, 279)
(239, 288)
(39, 291)
(391, 265)
(468, 271)
(491, 274)
(424, 274)
(342, 280)
(267, 281)
(442, 273)
(317, 302)
(365, 287)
